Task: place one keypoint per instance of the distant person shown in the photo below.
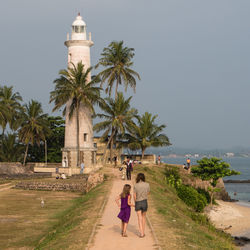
(82, 168)
(141, 191)
(159, 160)
(63, 176)
(115, 160)
(125, 208)
(188, 163)
(129, 168)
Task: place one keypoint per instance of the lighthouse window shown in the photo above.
(78, 29)
(85, 136)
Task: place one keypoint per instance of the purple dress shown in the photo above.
(124, 214)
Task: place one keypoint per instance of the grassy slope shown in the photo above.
(175, 224)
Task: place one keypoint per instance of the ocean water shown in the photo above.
(238, 191)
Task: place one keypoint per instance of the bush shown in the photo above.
(205, 194)
(191, 197)
(172, 176)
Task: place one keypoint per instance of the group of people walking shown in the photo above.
(140, 197)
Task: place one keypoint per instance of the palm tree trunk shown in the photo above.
(25, 154)
(77, 134)
(111, 150)
(142, 152)
(116, 89)
(105, 150)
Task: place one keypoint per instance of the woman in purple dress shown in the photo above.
(125, 208)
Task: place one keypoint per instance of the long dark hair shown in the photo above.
(125, 191)
(140, 177)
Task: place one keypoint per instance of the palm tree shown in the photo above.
(11, 101)
(117, 60)
(145, 134)
(4, 117)
(34, 126)
(10, 149)
(118, 116)
(74, 87)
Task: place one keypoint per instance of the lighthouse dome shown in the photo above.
(79, 21)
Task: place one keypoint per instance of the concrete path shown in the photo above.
(108, 235)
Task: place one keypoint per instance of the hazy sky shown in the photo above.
(193, 57)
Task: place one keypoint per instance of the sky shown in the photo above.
(193, 58)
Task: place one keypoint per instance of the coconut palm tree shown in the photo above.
(146, 134)
(34, 126)
(117, 61)
(11, 101)
(73, 87)
(118, 116)
(4, 117)
(10, 149)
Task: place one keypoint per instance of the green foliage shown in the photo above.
(212, 169)
(205, 194)
(173, 177)
(118, 117)
(55, 142)
(10, 108)
(146, 134)
(117, 61)
(191, 197)
(10, 149)
(34, 125)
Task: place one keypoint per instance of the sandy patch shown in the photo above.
(231, 217)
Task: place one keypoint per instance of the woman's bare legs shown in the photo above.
(143, 214)
(125, 229)
(139, 215)
(122, 227)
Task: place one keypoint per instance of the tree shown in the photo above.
(11, 102)
(4, 116)
(55, 142)
(117, 60)
(73, 87)
(10, 149)
(34, 126)
(212, 169)
(118, 116)
(145, 134)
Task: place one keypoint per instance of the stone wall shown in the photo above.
(198, 183)
(83, 184)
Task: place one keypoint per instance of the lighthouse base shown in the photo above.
(87, 156)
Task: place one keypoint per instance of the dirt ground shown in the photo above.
(108, 235)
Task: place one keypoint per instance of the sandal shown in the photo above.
(142, 236)
(124, 235)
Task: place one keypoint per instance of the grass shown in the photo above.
(66, 220)
(176, 225)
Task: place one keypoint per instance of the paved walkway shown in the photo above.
(108, 235)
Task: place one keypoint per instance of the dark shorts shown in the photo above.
(141, 205)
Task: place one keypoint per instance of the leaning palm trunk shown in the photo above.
(77, 134)
(25, 154)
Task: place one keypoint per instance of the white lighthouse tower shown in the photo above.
(79, 51)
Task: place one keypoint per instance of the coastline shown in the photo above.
(231, 217)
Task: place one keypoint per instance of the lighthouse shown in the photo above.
(79, 51)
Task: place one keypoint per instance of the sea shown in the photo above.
(237, 191)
